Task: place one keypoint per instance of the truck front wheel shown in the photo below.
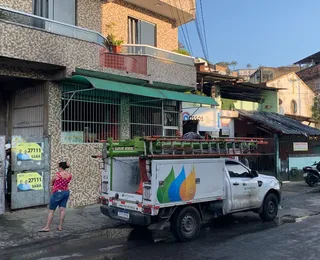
(185, 224)
(270, 207)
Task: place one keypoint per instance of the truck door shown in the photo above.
(244, 188)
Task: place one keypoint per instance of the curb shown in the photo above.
(114, 232)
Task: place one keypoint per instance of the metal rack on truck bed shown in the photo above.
(176, 147)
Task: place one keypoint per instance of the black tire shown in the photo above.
(311, 180)
(185, 224)
(270, 207)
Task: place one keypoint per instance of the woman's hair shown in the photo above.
(64, 165)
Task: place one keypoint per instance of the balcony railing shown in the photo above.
(37, 22)
(146, 50)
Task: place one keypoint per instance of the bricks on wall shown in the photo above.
(117, 12)
(185, 5)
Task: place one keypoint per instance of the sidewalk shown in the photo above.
(297, 187)
(20, 228)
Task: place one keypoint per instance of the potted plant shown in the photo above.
(182, 51)
(112, 42)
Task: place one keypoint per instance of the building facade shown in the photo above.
(62, 86)
(264, 74)
(295, 97)
(245, 73)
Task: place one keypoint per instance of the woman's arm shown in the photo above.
(53, 180)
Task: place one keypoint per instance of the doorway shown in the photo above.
(21, 130)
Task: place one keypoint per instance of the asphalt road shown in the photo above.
(239, 237)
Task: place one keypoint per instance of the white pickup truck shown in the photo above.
(183, 191)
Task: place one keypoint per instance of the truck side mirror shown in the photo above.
(254, 174)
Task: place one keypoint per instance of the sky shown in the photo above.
(258, 32)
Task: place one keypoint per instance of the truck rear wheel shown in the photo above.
(270, 207)
(185, 224)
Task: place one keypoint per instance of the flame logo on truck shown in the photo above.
(180, 188)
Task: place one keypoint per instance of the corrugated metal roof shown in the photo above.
(278, 123)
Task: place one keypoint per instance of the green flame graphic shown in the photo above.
(163, 192)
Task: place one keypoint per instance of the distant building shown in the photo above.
(264, 74)
(245, 73)
(310, 71)
(205, 66)
(294, 96)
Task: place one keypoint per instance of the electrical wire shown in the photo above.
(204, 30)
(186, 42)
(186, 28)
(199, 32)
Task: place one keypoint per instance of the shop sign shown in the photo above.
(29, 181)
(300, 146)
(207, 117)
(225, 130)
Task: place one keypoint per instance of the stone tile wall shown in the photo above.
(88, 11)
(72, 53)
(85, 185)
(47, 47)
(89, 14)
(170, 72)
(20, 5)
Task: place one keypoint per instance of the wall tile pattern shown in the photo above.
(20, 5)
(89, 14)
(72, 53)
(85, 185)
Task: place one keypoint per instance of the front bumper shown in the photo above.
(135, 218)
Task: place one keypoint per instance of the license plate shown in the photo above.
(305, 174)
(123, 214)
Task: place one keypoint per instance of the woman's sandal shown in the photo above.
(43, 230)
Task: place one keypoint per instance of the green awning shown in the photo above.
(141, 91)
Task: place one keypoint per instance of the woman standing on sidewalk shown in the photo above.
(60, 195)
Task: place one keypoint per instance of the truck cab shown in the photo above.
(247, 189)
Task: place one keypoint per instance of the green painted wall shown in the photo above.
(270, 103)
(270, 99)
(229, 104)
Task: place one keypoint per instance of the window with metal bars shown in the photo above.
(153, 117)
(89, 116)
